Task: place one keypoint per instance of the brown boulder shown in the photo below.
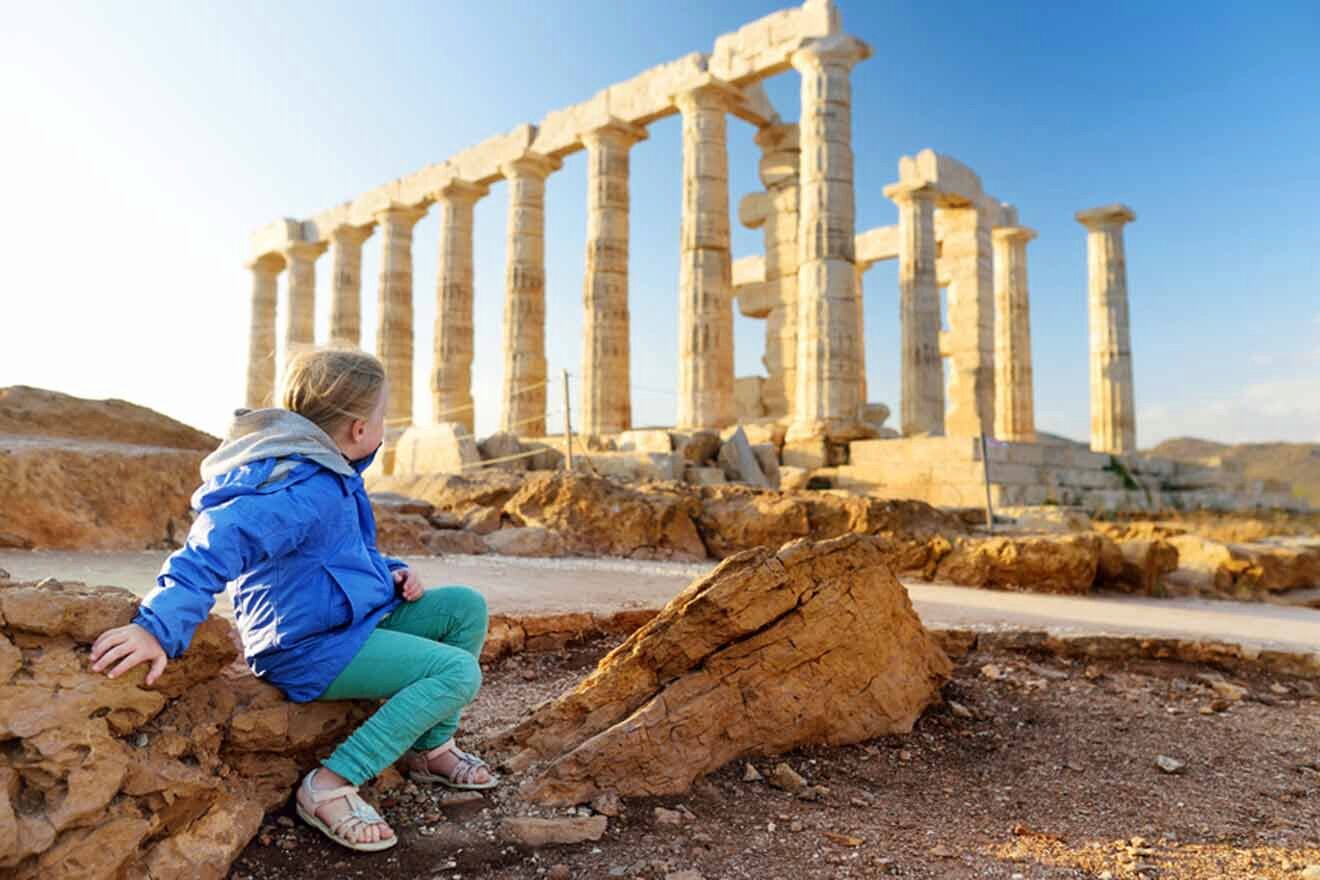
(1054, 563)
(35, 412)
(1248, 569)
(489, 488)
(596, 517)
(1136, 565)
(814, 643)
(737, 518)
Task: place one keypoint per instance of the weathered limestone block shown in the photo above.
(735, 518)
(394, 321)
(454, 494)
(1245, 569)
(599, 518)
(441, 448)
(1140, 566)
(346, 293)
(813, 643)
(503, 444)
(261, 336)
(1113, 410)
(650, 440)
(524, 395)
(740, 462)
(806, 454)
(606, 386)
(698, 447)
(1015, 418)
(767, 456)
(631, 467)
(749, 398)
(1039, 564)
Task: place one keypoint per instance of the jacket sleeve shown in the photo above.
(224, 542)
(390, 562)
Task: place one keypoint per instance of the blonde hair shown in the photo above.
(333, 386)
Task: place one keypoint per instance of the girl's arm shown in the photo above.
(224, 542)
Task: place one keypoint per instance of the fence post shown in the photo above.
(985, 471)
(568, 426)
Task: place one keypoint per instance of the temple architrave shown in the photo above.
(963, 305)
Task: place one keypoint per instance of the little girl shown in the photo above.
(284, 521)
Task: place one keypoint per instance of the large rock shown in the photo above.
(1247, 569)
(811, 643)
(37, 413)
(596, 517)
(1137, 565)
(503, 448)
(740, 462)
(439, 448)
(1035, 563)
(105, 778)
(645, 440)
(452, 493)
(88, 495)
(737, 518)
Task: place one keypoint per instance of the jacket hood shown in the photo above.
(263, 450)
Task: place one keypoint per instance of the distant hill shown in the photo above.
(1294, 463)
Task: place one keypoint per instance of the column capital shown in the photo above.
(455, 190)
(836, 50)
(615, 131)
(266, 264)
(399, 215)
(913, 192)
(1023, 234)
(530, 165)
(305, 250)
(707, 92)
(346, 233)
(1116, 214)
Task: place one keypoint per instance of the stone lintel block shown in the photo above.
(874, 245)
(1116, 214)
(945, 173)
(748, 270)
(275, 238)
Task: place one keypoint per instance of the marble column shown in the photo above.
(346, 304)
(300, 314)
(1113, 411)
(779, 167)
(861, 338)
(394, 327)
(606, 393)
(1015, 418)
(827, 400)
(451, 377)
(921, 364)
(524, 398)
(705, 294)
(970, 341)
(261, 337)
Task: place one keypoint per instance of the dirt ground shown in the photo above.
(1034, 768)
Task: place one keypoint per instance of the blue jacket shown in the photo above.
(283, 521)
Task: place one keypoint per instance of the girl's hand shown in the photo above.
(406, 580)
(130, 645)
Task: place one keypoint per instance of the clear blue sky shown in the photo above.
(146, 140)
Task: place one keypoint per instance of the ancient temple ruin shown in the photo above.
(965, 373)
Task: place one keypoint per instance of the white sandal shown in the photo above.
(360, 814)
(419, 768)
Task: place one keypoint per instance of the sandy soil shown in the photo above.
(1044, 770)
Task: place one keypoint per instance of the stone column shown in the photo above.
(827, 399)
(922, 366)
(779, 167)
(451, 378)
(346, 306)
(1113, 412)
(261, 338)
(861, 338)
(523, 402)
(705, 295)
(1015, 418)
(970, 341)
(300, 316)
(394, 328)
(606, 398)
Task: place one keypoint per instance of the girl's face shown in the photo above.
(361, 437)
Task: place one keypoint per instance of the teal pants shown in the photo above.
(422, 659)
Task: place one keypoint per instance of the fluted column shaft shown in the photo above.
(705, 297)
(779, 168)
(1113, 409)
(261, 337)
(827, 398)
(394, 329)
(1015, 418)
(300, 316)
(921, 365)
(968, 253)
(524, 397)
(346, 302)
(451, 378)
(606, 394)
